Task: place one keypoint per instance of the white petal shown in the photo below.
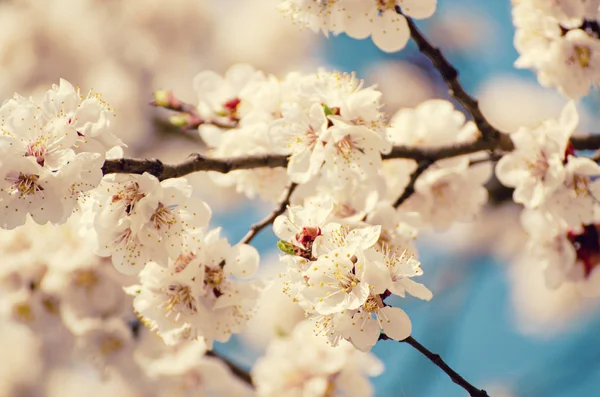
(395, 323)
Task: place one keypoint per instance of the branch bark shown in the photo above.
(410, 188)
(440, 363)
(450, 76)
(238, 371)
(279, 209)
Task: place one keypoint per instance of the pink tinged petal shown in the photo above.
(195, 213)
(359, 23)
(364, 237)
(419, 9)
(243, 261)
(510, 171)
(391, 32)
(376, 276)
(417, 290)
(569, 118)
(395, 323)
(365, 333)
(284, 229)
(582, 166)
(301, 167)
(357, 296)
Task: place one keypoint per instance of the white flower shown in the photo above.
(361, 18)
(333, 283)
(572, 64)
(198, 296)
(577, 201)
(224, 96)
(187, 371)
(551, 38)
(363, 326)
(304, 364)
(303, 225)
(432, 123)
(402, 267)
(301, 134)
(141, 219)
(105, 343)
(535, 168)
(447, 194)
(52, 152)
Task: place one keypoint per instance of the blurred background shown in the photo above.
(492, 319)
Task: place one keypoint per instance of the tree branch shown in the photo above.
(197, 162)
(440, 363)
(280, 209)
(410, 188)
(238, 371)
(450, 76)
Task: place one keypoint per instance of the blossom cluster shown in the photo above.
(189, 276)
(332, 130)
(51, 153)
(360, 19)
(341, 274)
(72, 300)
(304, 364)
(560, 40)
(560, 192)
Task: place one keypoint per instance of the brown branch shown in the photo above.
(450, 76)
(279, 209)
(586, 142)
(238, 371)
(410, 188)
(438, 361)
(197, 162)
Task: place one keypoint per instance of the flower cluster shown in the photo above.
(328, 124)
(360, 19)
(51, 153)
(341, 275)
(560, 192)
(201, 294)
(560, 40)
(450, 190)
(304, 364)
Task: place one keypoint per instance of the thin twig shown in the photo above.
(238, 371)
(440, 363)
(450, 76)
(166, 100)
(410, 188)
(279, 209)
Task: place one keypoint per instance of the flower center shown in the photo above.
(25, 184)
(180, 298)
(213, 277)
(373, 304)
(163, 217)
(582, 56)
(130, 195)
(539, 167)
(110, 345)
(38, 150)
(182, 261)
(307, 236)
(347, 281)
(85, 278)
